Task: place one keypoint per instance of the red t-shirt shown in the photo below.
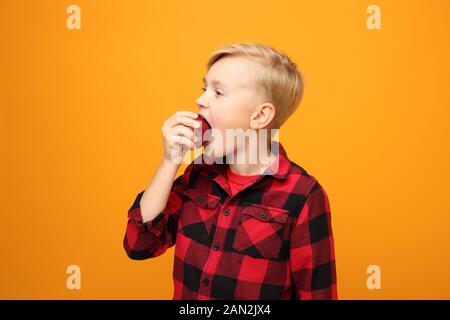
(237, 181)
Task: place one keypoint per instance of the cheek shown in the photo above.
(221, 115)
(230, 113)
(237, 117)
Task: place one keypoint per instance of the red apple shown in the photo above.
(204, 125)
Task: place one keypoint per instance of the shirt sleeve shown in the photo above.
(312, 258)
(153, 238)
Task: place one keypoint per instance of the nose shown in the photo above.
(201, 101)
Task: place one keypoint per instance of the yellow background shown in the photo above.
(81, 112)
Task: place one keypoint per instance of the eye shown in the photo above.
(203, 89)
(219, 93)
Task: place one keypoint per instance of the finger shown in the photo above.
(183, 131)
(189, 122)
(176, 119)
(188, 114)
(182, 141)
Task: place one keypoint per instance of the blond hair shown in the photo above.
(280, 80)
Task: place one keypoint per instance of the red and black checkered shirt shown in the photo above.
(271, 240)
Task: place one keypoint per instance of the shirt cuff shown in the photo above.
(152, 226)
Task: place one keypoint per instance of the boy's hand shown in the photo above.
(178, 137)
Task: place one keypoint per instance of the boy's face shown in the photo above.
(229, 98)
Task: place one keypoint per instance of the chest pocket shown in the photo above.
(261, 231)
(198, 216)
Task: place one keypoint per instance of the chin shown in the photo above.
(217, 153)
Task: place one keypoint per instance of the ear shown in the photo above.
(262, 116)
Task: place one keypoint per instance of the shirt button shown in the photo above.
(206, 281)
(263, 215)
(216, 247)
(226, 212)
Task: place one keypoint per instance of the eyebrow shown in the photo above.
(216, 82)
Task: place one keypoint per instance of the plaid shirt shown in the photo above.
(272, 240)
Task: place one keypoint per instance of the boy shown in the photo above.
(243, 230)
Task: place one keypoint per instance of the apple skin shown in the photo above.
(204, 125)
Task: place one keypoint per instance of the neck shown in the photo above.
(252, 165)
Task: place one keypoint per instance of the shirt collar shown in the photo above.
(279, 168)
